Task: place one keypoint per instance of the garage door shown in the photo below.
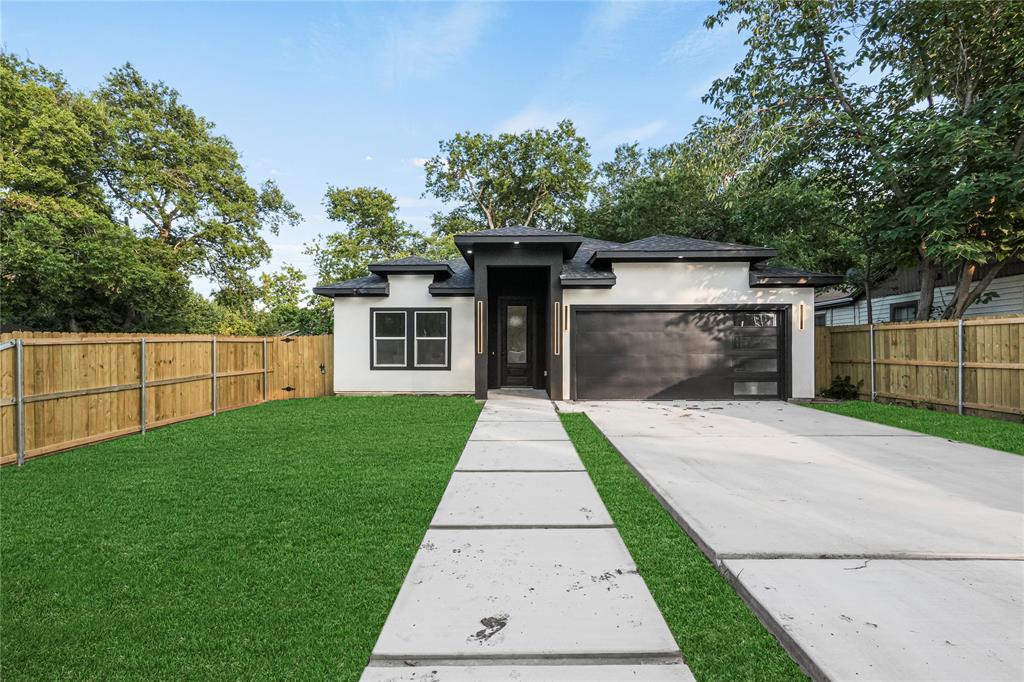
(644, 354)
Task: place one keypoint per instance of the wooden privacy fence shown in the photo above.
(974, 365)
(59, 391)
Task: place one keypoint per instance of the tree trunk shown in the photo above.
(929, 273)
(965, 295)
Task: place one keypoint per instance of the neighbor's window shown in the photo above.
(431, 343)
(903, 312)
(389, 335)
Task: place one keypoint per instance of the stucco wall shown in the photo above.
(352, 373)
(702, 284)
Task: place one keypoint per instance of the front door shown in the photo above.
(515, 337)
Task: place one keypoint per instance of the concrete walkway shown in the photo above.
(522, 574)
(872, 553)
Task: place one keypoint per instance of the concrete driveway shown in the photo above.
(871, 552)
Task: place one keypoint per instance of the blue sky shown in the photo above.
(353, 94)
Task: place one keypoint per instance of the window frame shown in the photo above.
(416, 338)
(410, 364)
(893, 307)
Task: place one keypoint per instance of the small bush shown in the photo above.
(842, 388)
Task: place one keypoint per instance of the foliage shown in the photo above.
(842, 388)
(164, 165)
(263, 543)
(373, 232)
(65, 263)
(913, 109)
(536, 178)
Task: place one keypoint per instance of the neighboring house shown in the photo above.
(894, 299)
(658, 318)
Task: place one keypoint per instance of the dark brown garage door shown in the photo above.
(644, 354)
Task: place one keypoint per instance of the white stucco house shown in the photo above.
(664, 317)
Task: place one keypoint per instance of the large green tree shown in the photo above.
(914, 109)
(537, 178)
(165, 166)
(64, 263)
(373, 232)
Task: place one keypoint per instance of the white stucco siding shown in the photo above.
(1009, 300)
(352, 372)
(702, 284)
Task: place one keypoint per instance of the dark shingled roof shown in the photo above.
(461, 281)
(577, 271)
(518, 231)
(664, 246)
(764, 276)
(370, 285)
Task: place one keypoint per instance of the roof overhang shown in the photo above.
(624, 256)
(450, 291)
(588, 282)
(344, 292)
(467, 243)
(411, 269)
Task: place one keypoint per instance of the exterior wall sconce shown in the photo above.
(802, 314)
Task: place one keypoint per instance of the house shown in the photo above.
(664, 317)
(894, 298)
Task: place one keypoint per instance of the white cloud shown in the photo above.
(419, 161)
(637, 134)
(531, 117)
(368, 158)
(702, 42)
(422, 44)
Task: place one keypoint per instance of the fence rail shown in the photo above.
(974, 365)
(59, 391)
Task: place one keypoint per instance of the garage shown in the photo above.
(677, 353)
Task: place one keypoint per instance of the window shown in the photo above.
(820, 320)
(431, 345)
(903, 312)
(410, 338)
(389, 338)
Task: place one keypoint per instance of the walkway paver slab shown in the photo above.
(897, 620)
(512, 456)
(518, 411)
(564, 498)
(518, 431)
(531, 673)
(530, 593)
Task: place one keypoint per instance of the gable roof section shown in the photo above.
(761, 277)
(665, 247)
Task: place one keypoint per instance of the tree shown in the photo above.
(65, 264)
(535, 178)
(931, 136)
(373, 233)
(164, 165)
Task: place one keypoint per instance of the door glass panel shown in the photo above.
(515, 334)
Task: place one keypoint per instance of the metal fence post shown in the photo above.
(213, 374)
(142, 386)
(960, 366)
(264, 369)
(19, 392)
(871, 352)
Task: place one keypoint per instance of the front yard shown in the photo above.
(263, 543)
(990, 433)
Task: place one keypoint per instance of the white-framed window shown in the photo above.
(430, 342)
(389, 338)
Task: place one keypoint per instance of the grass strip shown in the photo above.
(719, 636)
(990, 433)
(264, 543)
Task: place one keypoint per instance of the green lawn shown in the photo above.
(720, 637)
(990, 433)
(267, 542)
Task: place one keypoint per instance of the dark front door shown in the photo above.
(515, 336)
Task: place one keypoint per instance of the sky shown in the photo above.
(359, 94)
